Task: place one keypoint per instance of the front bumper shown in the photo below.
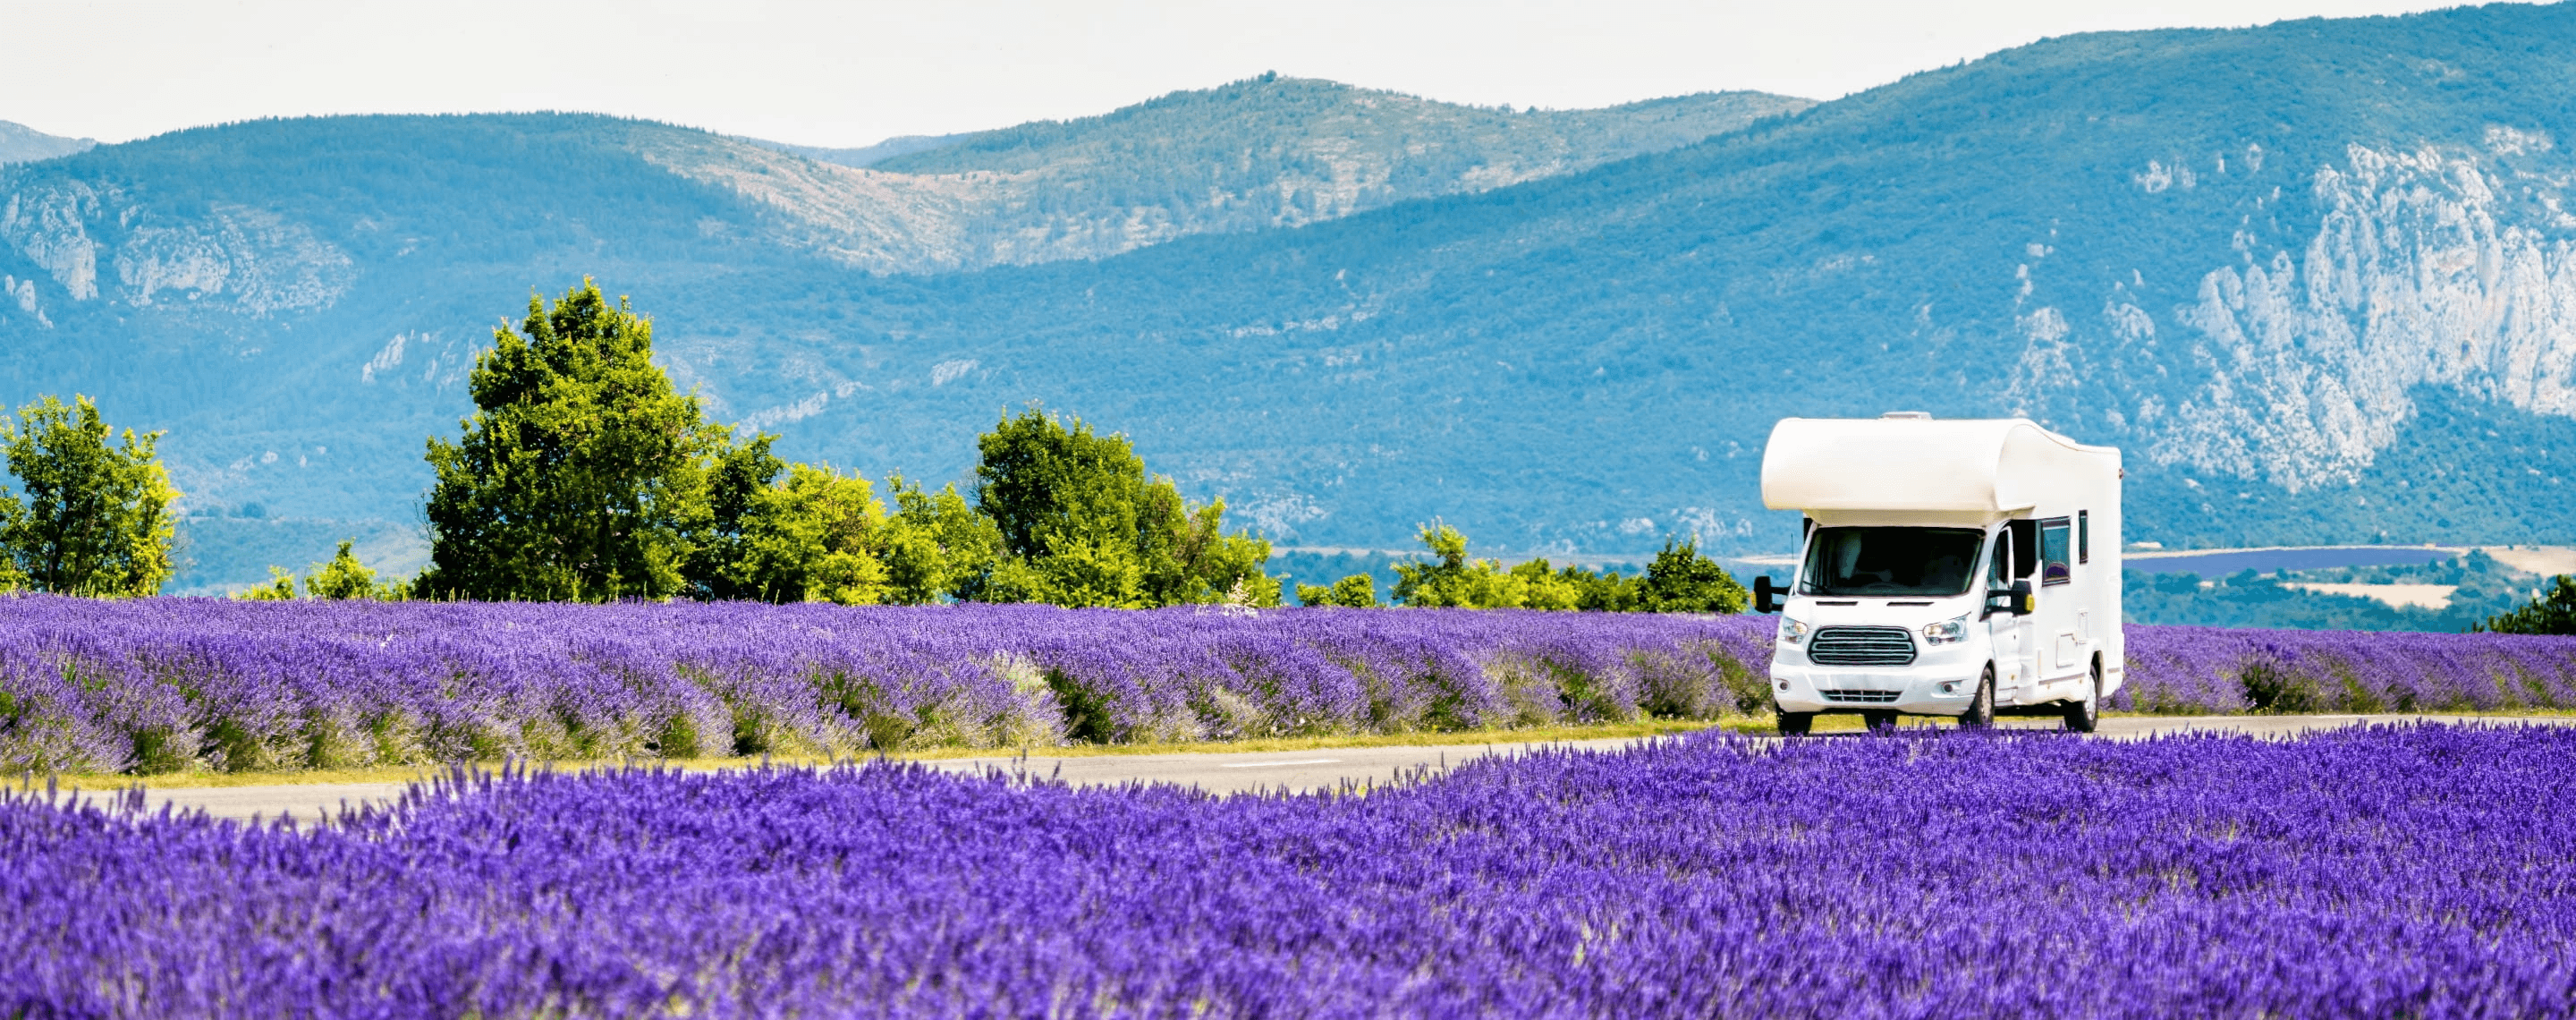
(1925, 688)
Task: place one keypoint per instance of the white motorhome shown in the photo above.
(1949, 568)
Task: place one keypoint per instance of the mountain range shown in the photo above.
(2315, 277)
(22, 144)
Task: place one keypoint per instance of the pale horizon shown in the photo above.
(853, 75)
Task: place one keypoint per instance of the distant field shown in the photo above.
(2221, 562)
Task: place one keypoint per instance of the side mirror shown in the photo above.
(2014, 601)
(1766, 598)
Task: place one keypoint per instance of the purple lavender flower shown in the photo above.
(2417, 871)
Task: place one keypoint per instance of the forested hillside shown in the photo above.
(2313, 277)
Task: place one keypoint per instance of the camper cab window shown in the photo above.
(1847, 562)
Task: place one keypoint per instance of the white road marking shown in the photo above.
(1269, 764)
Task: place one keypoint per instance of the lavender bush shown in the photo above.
(2409, 871)
(154, 685)
(2209, 669)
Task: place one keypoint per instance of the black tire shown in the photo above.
(1981, 705)
(2086, 715)
(1794, 724)
(1879, 722)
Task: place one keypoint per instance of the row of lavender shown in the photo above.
(2414, 871)
(153, 685)
(2195, 670)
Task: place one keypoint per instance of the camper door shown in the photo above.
(2060, 650)
(2010, 632)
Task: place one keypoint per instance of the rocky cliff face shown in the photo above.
(95, 237)
(2297, 363)
(2436, 266)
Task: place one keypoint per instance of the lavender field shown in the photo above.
(2387, 871)
(160, 685)
(2193, 670)
(154, 685)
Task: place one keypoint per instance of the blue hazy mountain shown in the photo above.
(297, 301)
(22, 144)
(2316, 278)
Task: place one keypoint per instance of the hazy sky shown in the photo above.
(854, 73)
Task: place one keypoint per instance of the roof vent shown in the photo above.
(1909, 415)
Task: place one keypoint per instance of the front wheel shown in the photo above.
(2083, 716)
(1981, 708)
(1795, 724)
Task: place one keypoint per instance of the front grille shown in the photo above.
(1861, 697)
(1861, 646)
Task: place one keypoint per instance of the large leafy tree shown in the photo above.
(936, 545)
(1680, 580)
(814, 535)
(95, 518)
(582, 475)
(1080, 523)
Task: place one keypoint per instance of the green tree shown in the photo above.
(2553, 612)
(1452, 580)
(1080, 523)
(1190, 559)
(809, 537)
(582, 475)
(1067, 503)
(737, 481)
(1680, 580)
(280, 588)
(935, 546)
(344, 578)
(95, 519)
(1358, 591)
(1606, 592)
(1542, 587)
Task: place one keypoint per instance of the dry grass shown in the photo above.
(412, 774)
(1539, 735)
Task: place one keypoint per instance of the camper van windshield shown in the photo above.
(1889, 561)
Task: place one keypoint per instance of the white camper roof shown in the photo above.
(1974, 469)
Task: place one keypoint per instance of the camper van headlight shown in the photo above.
(1792, 631)
(1946, 632)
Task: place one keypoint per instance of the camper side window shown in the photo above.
(2053, 552)
(1999, 561)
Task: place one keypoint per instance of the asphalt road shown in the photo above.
(1222, 772)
